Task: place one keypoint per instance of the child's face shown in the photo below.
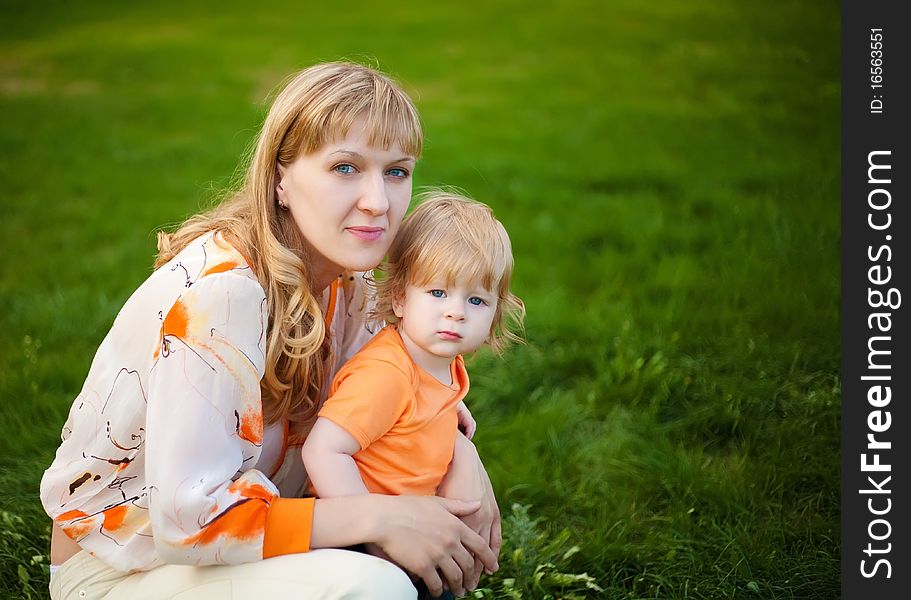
(441, 321)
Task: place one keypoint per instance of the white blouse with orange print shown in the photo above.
(159, 460)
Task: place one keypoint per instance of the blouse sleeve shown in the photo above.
(204, 427)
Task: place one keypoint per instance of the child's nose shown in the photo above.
(455, 311)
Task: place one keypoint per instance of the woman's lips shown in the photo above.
(449, 335)
(368, 234)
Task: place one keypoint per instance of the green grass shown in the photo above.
(668, 172)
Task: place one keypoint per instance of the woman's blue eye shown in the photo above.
(437, 293)
(476, 301)
(344, 169)
(397, 172)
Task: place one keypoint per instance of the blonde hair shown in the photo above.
(448, 237)
(317, 106)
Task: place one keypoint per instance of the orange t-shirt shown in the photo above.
(403, 418)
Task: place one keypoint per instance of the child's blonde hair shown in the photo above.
(317, 106)
(447, 237)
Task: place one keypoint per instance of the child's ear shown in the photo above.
(398, 304)
(493, 326)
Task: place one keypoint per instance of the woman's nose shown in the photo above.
(373, 198)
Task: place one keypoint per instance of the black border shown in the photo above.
(863, 132)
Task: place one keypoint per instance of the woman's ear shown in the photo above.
(279, 178)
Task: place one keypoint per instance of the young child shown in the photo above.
(390, 423)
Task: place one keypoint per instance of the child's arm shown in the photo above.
(466, 422)
(327, 454)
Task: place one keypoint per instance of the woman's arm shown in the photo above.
(203, 425)
(422, 534)
(467, 480)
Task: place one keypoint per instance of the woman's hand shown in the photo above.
(467, 480)
(425, 536)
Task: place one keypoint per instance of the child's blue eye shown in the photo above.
(344, 169)
(477, 301)
(437, 293)
(397, 172)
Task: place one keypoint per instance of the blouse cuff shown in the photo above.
(288, 526)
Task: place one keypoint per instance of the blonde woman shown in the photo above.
(182, 449)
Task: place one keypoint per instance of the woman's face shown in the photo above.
(348, 199)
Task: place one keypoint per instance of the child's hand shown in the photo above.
(466, 422)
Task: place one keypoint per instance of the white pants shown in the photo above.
(323, 574)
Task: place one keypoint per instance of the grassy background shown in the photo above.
(668, 172)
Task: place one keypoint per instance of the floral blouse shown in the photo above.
(160, 460)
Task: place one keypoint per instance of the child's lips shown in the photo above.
(449, 335)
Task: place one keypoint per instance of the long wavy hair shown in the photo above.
(317, 106)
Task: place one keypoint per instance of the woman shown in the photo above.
(180, 450)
